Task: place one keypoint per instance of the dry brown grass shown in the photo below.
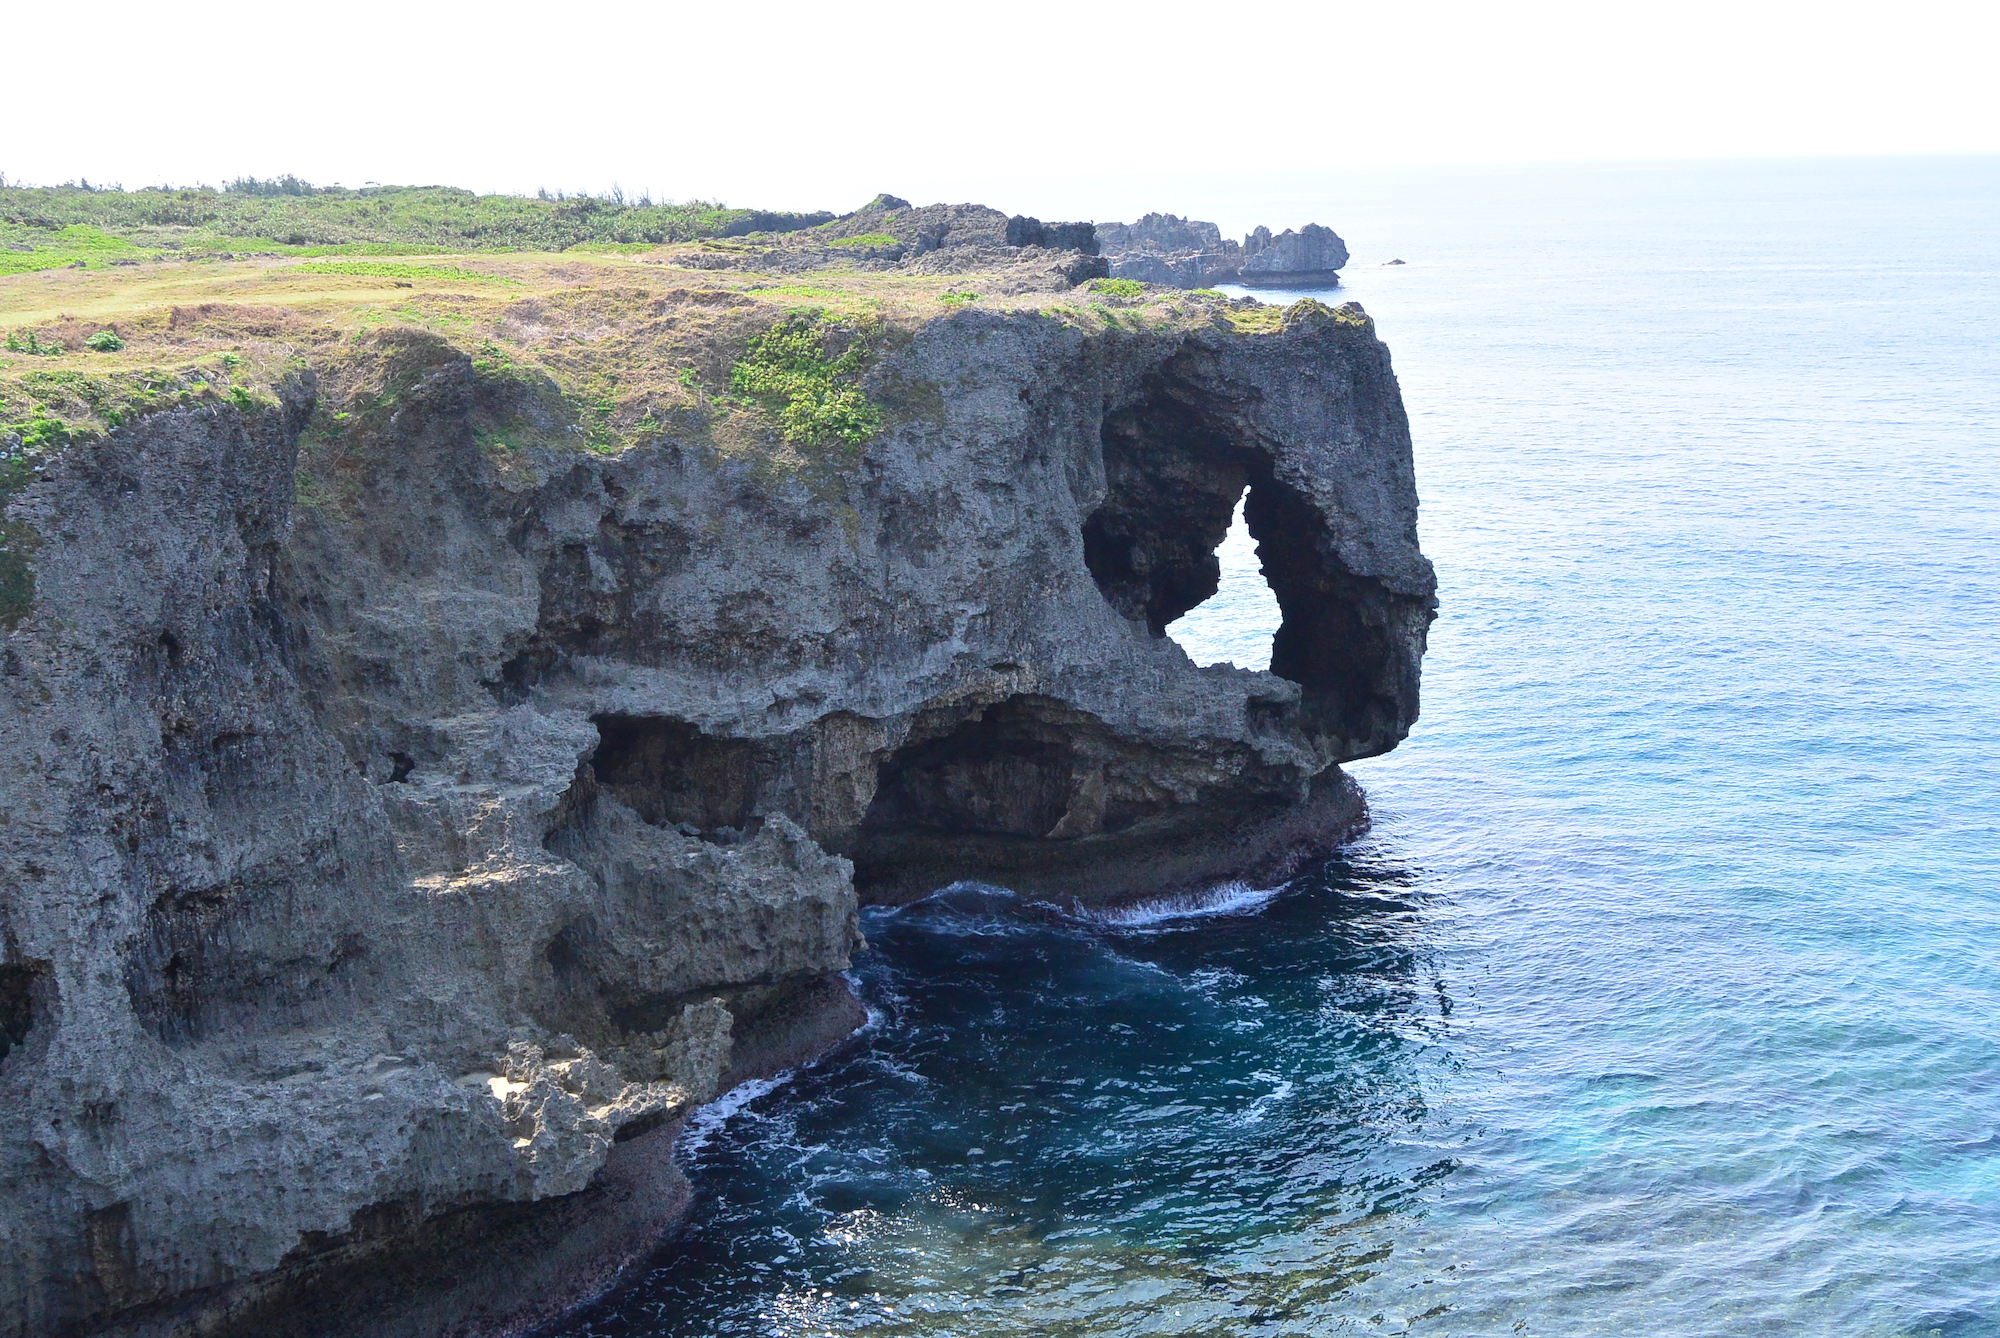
(630, 342)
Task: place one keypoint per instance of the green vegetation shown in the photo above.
(24, 248)
(47, 408)
(866, 239)
(28, 341)
(815, 395)
(1118, 287)
(594, 349)
(378, 269)
(798, 290)
(49, 227)
(1257, 319)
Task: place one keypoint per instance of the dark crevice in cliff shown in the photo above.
(1022, 767)
(24, 999)
(673, 775)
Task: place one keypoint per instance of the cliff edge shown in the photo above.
(451, 719)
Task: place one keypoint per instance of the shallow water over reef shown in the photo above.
(1662, 998)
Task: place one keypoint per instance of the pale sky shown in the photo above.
(1031, 106)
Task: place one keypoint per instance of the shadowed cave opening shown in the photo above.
(673, 775)
(1027, 766)
(1038, 795)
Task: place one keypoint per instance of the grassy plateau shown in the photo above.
(607, 322)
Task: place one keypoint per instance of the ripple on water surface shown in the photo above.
(1110, 1125)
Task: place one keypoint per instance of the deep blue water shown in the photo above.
(1663, 999)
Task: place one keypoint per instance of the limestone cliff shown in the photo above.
(1187, 253)
(405, 828)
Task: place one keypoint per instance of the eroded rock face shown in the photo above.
(1310, 257)
(1187, 253)
(386, 877)
(890, 235)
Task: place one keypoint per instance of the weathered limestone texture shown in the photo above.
(892, 236)
(1187, 253)
(388, 866)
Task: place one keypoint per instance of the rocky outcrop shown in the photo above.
(1308, 258)
(402, 835)
(890, 235)
(1183, 253)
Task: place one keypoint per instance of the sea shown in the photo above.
(1662, 998)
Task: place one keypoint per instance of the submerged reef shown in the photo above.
(453, 709)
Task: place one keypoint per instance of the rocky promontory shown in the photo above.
(454, 706)
(1183, 253)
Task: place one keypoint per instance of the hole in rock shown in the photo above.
(1236, 623)
(1171, 543)
(1175, 472)
(400, 767)
(673, 775)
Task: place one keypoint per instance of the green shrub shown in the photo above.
(27, 341)
(1118, 287)
(816, 399)
(104, 341)
(957, 299)
(42, 434)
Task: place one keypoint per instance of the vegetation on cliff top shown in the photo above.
(610, 343)
(47, 227)
(588, 324)
(813, 392)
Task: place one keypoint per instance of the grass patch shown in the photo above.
(378, 269)
(24, 250)
(957, 299)
(1255, 319)
(1118, 287)
(867, 239)
(791, 372)
(798, 290)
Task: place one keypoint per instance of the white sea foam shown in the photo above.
(1228, 899)
(706, 1122)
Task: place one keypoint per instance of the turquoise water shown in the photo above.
(1664, 997)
